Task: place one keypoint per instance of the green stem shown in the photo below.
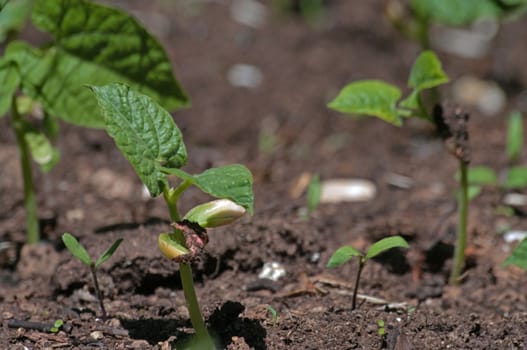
(459, 253)
(30, 203)
(185, 271)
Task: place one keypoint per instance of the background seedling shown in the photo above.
(382, 100)
(313, 193)
(274, 315)
(56, 326)
(518, 256)
(346, 253)
(114, 47)
(78, 251)
(415, 24)
(148, 137)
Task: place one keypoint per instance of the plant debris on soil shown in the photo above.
(94, 194)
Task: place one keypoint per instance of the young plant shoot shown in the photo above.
(379, 99)
(51, 79)
(346, 253)
(148, 137)
(77, 250)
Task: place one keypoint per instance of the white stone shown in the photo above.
(485, 95)
(245, 75)
(347, 190)
(248, 12)
(272, 270)
(513, 236)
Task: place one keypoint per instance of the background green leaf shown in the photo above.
(386, 244)
(480, 175)
(13, 16)
(342, 256)
(426, 72)
(144, 132)
(456, 12)
(107, 254)
(516, 177)
(76, 249)
(369, 97)
(313, 193)
(518, 256)
(9, 81)
(94, 45)
(514, 136)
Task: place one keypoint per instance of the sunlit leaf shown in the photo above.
(518, 256)
(369, 97)
(76, 249)
(386, 244)
(342, 256)
(143, 131)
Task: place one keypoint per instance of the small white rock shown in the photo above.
(96, 335)
(513, 236)
(245, 75)
(272, 270)
(248, 12)
(515, 199)
(347, 190)
(487, 96)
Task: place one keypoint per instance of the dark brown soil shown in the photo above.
(94, 194)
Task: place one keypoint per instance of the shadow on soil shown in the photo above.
(225, 323)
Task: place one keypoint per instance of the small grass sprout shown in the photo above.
(77, 250)
(314, 190)
(56, 326)
(346, 253)
(274, 314)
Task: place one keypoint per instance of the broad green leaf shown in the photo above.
(108, 253)
(9, 81)
(516, 177)
(76, 249)
(369, 97)
(342, 256)
(480, 175)
(313, 193)
(144, 132)
(114, 42)
(13, 16)
(50, 126)
(456, 12)
(518, 256)
(386, 244)
(234, 182)
(514, 136)
(42, 151)
(426, 72)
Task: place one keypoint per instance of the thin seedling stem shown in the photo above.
(30, 203)
(356, 288)
(459, 253)
(98, 291)
(185, 271)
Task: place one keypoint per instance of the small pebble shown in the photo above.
(248, 12)
(245, 75)
(347, 190)
(485, 95)
(515, 199)
(7, 315)
(513, 236)
(96, 335)
(273, 271)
